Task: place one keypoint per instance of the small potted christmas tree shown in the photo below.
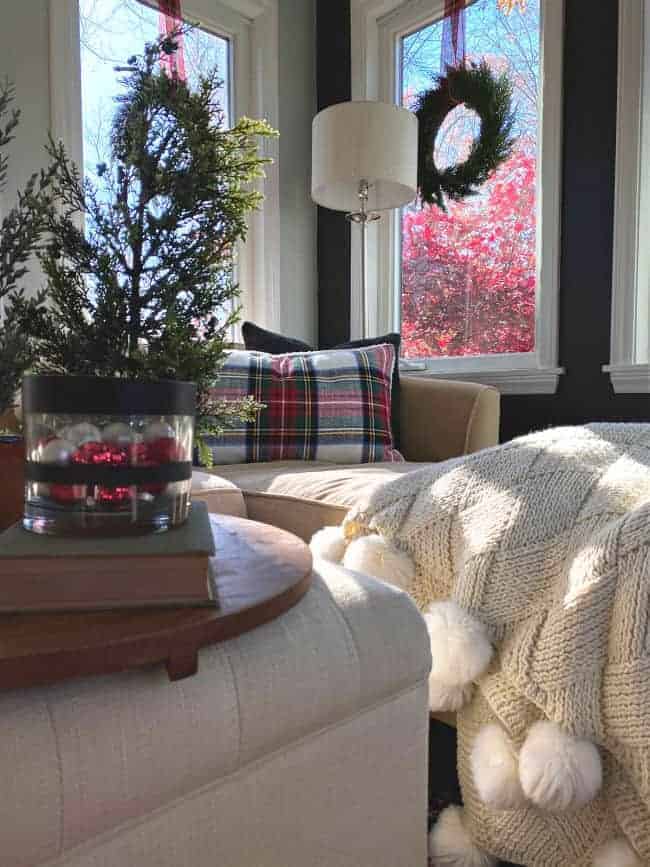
(141, 298)
(20, 231)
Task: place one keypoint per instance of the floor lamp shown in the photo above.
(364, 160)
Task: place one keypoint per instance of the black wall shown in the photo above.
(333, 61)
(589, 144)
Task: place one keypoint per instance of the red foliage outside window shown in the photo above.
(465, 290)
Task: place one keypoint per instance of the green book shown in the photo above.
(53, 573)
(192, 537)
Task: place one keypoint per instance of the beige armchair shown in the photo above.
(443, 419)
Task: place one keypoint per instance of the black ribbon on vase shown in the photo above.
(114, 477)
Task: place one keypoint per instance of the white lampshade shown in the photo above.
(372, 141)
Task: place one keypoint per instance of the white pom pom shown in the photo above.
(448, 698)
(460, 645)
(451, 846)
(374, 556)
(558, 771)
(496, 770)
(328, 544)
(616, 853)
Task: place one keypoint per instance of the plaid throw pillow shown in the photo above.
(332, 405)
(262, 340)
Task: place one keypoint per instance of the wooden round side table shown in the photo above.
(259, 573)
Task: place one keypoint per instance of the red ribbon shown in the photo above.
(169, 18)
(453, 35)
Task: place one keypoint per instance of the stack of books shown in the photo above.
(56, 573)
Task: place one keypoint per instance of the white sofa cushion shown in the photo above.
(84, 757)
(221, 495)
(303, 496)
(334, 484)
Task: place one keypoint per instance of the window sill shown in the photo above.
(629, 378)
(514, 381)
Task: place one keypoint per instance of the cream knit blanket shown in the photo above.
(546, 541)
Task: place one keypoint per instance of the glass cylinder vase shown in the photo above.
(106, 456)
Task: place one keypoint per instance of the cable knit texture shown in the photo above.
(546, 541)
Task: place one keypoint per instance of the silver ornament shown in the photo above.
(83, 432)
(158, 430)
(58, 451)
(118, 433)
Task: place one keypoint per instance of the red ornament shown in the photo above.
(113, 496)
(99, 454)
(141, 457)
(164, 450)
(67, 494)
(105, 454)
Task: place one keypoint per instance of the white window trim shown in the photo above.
(252, 25)
(373, 22)
(629, 364)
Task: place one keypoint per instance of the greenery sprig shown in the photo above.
(490, 96)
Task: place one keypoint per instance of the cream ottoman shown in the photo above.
(300, 743)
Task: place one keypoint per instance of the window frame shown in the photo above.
(629, 363)
(252, 28)
(376, 25)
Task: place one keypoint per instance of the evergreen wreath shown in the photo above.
(490, 96)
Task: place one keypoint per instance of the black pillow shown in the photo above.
(260, 340)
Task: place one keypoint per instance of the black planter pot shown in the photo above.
(106, 456)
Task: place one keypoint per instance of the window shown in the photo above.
(468, 276)
(474, 290)
(629, 366)
(110, 31)
(89, 37)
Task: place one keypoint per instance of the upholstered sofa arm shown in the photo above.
(443, 419)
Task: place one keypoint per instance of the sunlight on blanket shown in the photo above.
(585, 575)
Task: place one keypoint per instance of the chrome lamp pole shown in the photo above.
(362, 217)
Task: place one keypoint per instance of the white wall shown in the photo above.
(24, 58)
(297, 213)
